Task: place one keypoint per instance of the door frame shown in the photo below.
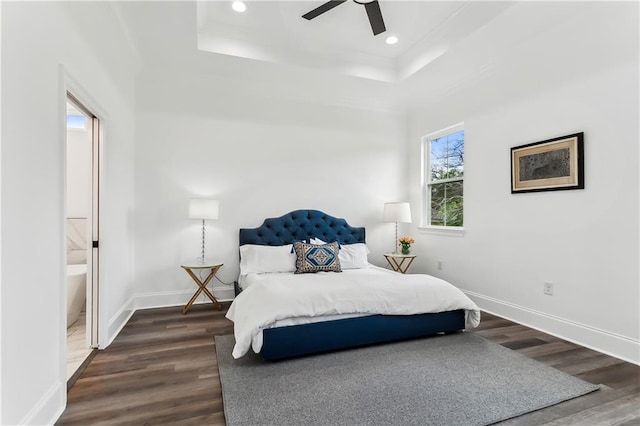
(98, 336)
(93, 225)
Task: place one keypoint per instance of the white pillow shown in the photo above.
(351, 256)
(354, 256)
(260, 259)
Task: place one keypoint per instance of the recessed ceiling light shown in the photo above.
(239, 6)
(392, 40)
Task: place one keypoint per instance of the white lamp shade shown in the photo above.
(397, 212)
(203, 208)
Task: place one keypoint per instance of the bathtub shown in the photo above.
(76, 291)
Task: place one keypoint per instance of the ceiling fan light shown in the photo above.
(239, 6)
(392, 40)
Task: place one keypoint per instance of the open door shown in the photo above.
(92, 223)
(95, 234)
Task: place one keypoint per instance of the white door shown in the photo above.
(93, 219)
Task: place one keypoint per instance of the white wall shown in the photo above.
(37, 38)
(583, 241)
(260, 157)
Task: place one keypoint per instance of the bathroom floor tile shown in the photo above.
(77, 349)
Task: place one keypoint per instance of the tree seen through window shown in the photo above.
(445, 179)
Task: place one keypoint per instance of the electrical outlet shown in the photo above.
(439, 265)
(548, 288)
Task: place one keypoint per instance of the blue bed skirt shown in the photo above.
(306, 339)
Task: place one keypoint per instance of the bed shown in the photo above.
(283, 314)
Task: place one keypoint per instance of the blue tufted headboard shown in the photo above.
(300, 225)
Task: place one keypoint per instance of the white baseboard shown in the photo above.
(175, 298)
(622, 347)
(119, 320)
(158, 300)
(50, 407)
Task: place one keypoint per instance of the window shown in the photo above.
(444, 177)
(76, 122)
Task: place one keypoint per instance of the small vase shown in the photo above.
(405, 250)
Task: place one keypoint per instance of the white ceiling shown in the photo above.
(341, 40)
(446, 48)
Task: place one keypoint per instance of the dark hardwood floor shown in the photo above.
(161, 369)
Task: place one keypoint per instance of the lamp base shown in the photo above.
(395, 243)
(201, 258)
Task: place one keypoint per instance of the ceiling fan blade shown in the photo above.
(322, 9)
(375, 17)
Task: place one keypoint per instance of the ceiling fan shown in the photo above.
(372, 7)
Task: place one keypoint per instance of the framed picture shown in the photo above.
(550, 165)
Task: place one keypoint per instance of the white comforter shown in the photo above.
(277, 299)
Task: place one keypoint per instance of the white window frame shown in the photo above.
(426, 182)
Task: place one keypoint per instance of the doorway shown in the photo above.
(82, 192)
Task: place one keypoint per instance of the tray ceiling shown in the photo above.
(341, 40)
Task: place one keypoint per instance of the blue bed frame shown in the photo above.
(306, 339)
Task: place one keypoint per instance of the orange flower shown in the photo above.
(406, 240)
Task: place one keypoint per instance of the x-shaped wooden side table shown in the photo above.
(396, 261)
(202, 285)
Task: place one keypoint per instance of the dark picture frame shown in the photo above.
(549, 165)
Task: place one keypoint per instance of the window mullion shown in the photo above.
(448, 180)
(444, 204)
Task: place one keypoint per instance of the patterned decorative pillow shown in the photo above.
(316, 258)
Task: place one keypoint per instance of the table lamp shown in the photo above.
(398, 212)
(203, 209)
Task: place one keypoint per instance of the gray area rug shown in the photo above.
(458, 379)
